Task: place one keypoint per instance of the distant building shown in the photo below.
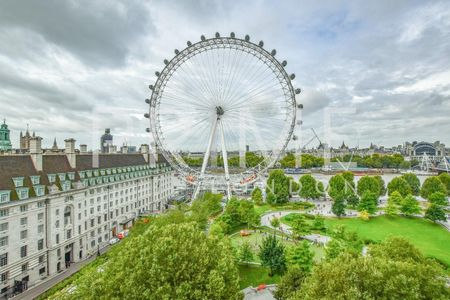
(5, 139)
(25, 139)
(106, 141)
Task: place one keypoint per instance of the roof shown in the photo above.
(89, 161)
(15, 166)
(23, 166)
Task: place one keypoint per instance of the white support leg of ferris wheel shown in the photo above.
(206, 158)
(225, 162)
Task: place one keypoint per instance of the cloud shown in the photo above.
(72, 68)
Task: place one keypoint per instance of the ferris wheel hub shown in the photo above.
(219, 111)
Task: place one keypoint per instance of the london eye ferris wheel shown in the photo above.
(213, 101)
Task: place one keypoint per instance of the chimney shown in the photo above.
(83, 148)
(144, 151)
(36, 152)
(112, 149)
(70, 152)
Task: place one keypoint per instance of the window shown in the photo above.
(57, 224)
(24, 267)
(40, 216)
(23, 251)
(3, 259)
(57, 238)
(40, 204)
(4, 196)
(23, 234)
(3, 227)
(22, 193)
(39, 190)
(4, 276)
(41, 244)
(57, 212)
(40, 228)
(41, 259)
(23, 208)
(69, 234)
(92, 222)
(93, 244)
(18, 181)
(58, 252)
(3, 241)
(35, 179)
(51, 178)
(23, 221)
(42, 271)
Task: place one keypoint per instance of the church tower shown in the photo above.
(5, 142)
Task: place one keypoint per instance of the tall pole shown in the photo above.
(225, 162)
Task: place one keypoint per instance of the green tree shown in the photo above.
(445, 179)
(438, 198)
(391, 208)
(173, 261)
(410, 206)
(270, 198)
(301, 256)
(435, 213)
(272, 255)
(432, 185)
(333, 249)
(336, 186)
(278, 184)
(245, 252)
(216, 230)
(275, 222)
(299, 226)
(396, 198)
(318, 223)
(247, 213)
(381, 184)
(375, 277)
(308, 187)
(368, 203)
(400, 185)
(257, 196)
(338, 206)
(369, 184)
(413, 182)
(288, 161)
(290, 282)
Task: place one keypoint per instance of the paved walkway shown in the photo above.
(36, 291)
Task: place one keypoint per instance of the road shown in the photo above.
(36, 291)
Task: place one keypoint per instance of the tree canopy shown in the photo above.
(309, 188)
(400, 185)
(393, 270)
(278, 184)
(432, 185)
(174, 261)
(413, 182)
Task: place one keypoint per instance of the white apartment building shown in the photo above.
(61, 208)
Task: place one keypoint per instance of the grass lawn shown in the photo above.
(255, 275)
(432, 239)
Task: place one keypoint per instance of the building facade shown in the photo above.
(63, 207)
(106, 142)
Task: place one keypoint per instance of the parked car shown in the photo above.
(114, 240)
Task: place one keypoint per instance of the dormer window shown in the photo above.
(66, 185)
(18, 181)
(89, 173)
(51, 178)
(71, 175)
(108, 171)
(62, 176)
(102, 172)
(22, 193)
(39, 190)
(96, 173)
(35, 179)
(81, 174)
(5, 196)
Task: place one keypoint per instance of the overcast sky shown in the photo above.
(73, 68)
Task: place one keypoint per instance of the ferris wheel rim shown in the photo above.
(207, 44)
